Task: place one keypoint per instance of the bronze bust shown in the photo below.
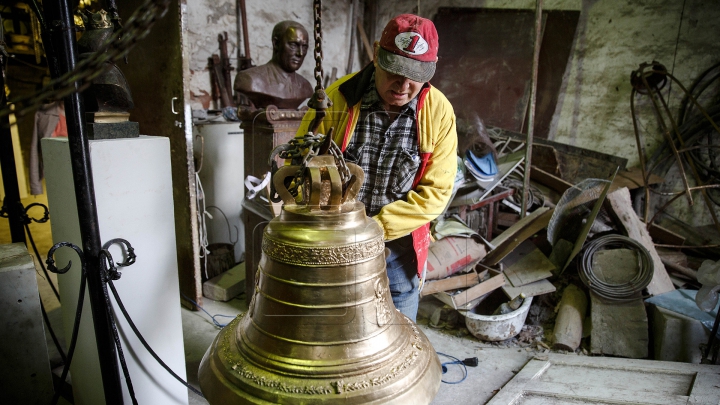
(276, 82)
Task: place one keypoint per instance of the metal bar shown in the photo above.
(496, 197)
(671, 142)
(353, 30)
(11, 203)
(59, 17)
(691, 163)
(531, 117)
(641, 155)
(246, 41)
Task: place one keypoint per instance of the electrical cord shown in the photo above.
(218, 324)
(470, 361)
(625, 291)
(146, 345)
(111, 273)
(52, 332)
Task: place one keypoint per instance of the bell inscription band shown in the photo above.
(321, 326)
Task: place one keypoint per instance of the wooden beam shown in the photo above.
(516, 234)
(550, 180)
(451, 283)
(634, 228)
(479, 290)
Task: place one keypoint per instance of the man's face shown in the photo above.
(395, 90)
(292, 49)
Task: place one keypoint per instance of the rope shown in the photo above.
(616, 291)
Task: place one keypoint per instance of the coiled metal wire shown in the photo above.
(616, 291)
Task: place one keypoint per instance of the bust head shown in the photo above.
(290, 45)
(277, 82)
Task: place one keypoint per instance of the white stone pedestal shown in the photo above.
(133, 191)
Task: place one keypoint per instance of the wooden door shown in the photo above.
(556, 379)
(155, 73)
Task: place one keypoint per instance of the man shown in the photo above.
(276, 83)
(401, 131)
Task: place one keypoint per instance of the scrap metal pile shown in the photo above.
(599, 242)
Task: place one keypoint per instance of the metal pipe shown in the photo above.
(641, 154)
(666, 133)
(246, 40)
(353, 30)
(531, 116)
(692, 274)
(11, 203)
(59, 17)
(691, 163)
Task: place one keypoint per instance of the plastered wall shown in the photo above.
(208, 18)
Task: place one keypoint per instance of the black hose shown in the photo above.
(626, 291)
(52, 333)
(145, 344)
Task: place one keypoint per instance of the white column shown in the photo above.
(133, 191)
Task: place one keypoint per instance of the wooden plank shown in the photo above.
(516, 234)
(506, 219)
(530, 290)
(673, 256)
(450, 283)
(529, 268)
(549, 180)
(664, 235)
(634, 228)
(479, 290)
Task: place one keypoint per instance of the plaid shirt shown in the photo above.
(386, 150)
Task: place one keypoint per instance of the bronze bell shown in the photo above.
(321, 326)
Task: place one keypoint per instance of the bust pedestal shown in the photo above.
(264, 130)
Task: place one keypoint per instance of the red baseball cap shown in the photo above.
(408, 47)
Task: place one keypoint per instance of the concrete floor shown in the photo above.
(496, 367)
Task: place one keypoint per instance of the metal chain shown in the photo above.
(336, 152)
(117, 47)
(317, 8)
(300, 150)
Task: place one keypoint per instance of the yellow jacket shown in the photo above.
(437, 143)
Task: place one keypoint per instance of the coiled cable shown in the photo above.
(624, 291)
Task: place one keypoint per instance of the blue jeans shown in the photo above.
(402, 266)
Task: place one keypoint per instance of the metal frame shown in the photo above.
(62, 57)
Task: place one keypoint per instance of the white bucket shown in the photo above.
(497, 327)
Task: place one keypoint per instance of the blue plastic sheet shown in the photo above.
(683, 302)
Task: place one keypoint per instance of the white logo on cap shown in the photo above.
(411, 43)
